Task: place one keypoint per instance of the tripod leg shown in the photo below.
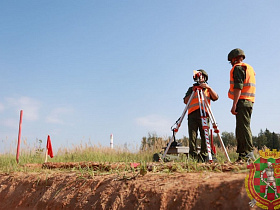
(205, 128)
(216, 129)
(223, 146)
(204, 122)
(212, 141)
(178, 124)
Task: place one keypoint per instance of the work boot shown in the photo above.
(241, 158)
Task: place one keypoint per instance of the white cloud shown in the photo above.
(29, 106)
(154, 123)
(11, 123)
(56, 116)
(2, 107)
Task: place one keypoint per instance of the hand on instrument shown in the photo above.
(204, 85)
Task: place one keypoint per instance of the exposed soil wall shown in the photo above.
(57, 190)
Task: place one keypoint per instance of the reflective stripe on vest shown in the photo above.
(249, 85)
(194, 105)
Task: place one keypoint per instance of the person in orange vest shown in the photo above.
(194, 117)
(242, 92)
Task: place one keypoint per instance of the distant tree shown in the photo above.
(264, 139)
(260, 141)
(185, 141)
(268, 135)
(267, 139)
(152, 143)
(255, 142)
(144, 144)
(275, 141)
(228, 139)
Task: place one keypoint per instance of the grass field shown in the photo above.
(99, 154)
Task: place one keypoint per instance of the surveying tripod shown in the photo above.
(204, 109)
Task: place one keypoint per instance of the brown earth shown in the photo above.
(55, 189)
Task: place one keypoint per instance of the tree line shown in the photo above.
(265, 139)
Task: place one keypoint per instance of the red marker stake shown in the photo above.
(19, 135)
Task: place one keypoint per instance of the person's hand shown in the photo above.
(204, 85)
(233, 110)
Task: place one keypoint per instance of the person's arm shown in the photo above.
(236, 95)
(213, 94)
(239, 75)
(186, 99)
(188, 95)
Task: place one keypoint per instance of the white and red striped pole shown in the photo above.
(111, 141)
(19, 136)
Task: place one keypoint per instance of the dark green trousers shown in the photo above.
(194, 124)
(243, 130)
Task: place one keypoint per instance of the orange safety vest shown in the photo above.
(249, 84)
(194, 105)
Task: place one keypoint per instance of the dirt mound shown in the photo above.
(72, 190)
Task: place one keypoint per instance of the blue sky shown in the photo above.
(81, 70)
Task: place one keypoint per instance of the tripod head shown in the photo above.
(197, 76)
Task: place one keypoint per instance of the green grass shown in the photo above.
(99, 154)
(78, 154)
